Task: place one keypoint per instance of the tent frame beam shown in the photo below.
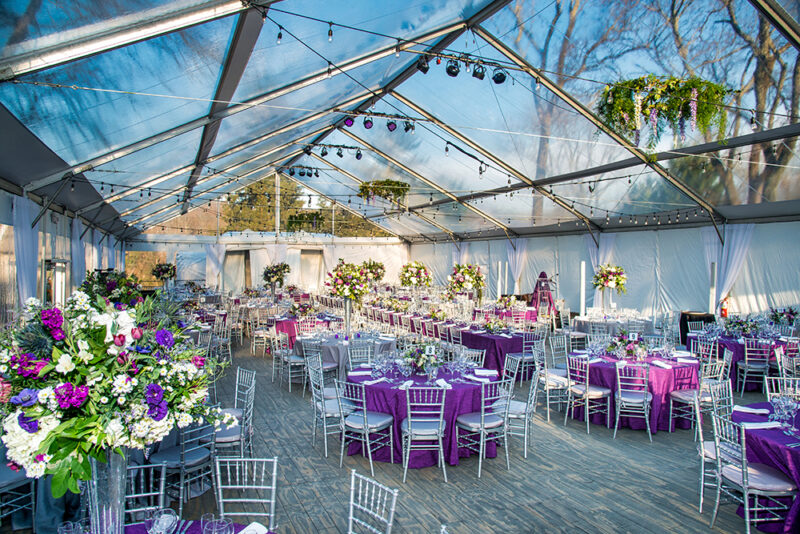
(341, 205)
(594, 119)
(239, 107)
(403, 207)
(245, 36)
(779, 19)
(497, 161)
(68, 46)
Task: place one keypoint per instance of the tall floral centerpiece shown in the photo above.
(349, 281)
(424, 358)
(164, 272)
(466, 277)
(374, 270)
(506, 303)
(87, 382)
(275, 274)
(414, 275)
(609, 277)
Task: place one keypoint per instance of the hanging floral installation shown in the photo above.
(299, 221)
(663, 102)
(389, 189)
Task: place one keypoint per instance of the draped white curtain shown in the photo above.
(259, 259)
(97, 253)
(26, 247)
(215, 255)
(517, 257)
(730, 257)
(111, 254)
(460, 253)
(121, 256)
(276, 254)
(600, 254)
(328, 258)
(77, 253)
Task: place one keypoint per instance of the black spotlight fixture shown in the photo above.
(479, 72)
(408, 126)
(422, 64)
(291, 171)
(358, 154)
(340, 153)
(391, 126)
(499, 76)
(324, 151)
(349, 121)
(367, 123)
(316, 173)
(302, 171)
(307, 150)
(452, 68)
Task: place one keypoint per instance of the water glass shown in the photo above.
(206, 519)
(161, 521)
(68, 527)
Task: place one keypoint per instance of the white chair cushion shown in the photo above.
(707, 450)
(294, 359)
(517, 409)
(329, 366)
(595, 392)
(231, 434)
(375, 420)
(554, 381)
(329, 393)
(634, 397)
(172, 456)
(472, 421)
(741, 364)
(558, 371)
(760, 477)
(422, 427)
(330, 408)
(687, 396)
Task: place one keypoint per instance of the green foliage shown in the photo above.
(628, 105)
(392, 190)
(35, 339)
(309, 220)
(157, 312)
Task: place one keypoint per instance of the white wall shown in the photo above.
(666, 268)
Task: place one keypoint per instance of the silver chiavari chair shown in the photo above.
(423, 427)
(372, 506)
(778, 386)
(145, 489)
(374, 430)
(594, 399)
(324, 403)
(359, 354)
(247, 487)
(632, 398)
(756, 361)
(475, 356)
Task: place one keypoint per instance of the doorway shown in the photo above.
(310, 269)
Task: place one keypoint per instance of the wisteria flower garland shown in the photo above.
(103, 380)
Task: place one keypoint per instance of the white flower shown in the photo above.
(121, 385)
(114, 432)
(65, 364)
(184, 420)
(83, 345)
(103, 400)
(121, 400)
(84, 356)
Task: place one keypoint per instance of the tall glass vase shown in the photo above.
(603, 301)
(348, 310)
(272, 288)
(106, 491)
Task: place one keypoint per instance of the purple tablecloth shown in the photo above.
(496, 346)
(530, 314)
(769, 446)
(660, 383)
(462, 398)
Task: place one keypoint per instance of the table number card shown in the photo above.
(430, 350)
(633, 336)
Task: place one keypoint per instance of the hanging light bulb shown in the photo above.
(358, 154)
(397, 49)
(280, 35)
(72, 186)
(330, 69)
(330, 32)
(447, 149)
(408, 126)
(537, 83)
(324, 151)
(367, 123)
(316, 173)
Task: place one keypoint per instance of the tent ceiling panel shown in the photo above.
(409, 226)
(339, 187)
(459, 218)
(264, 146)
(144, 198)
(79, 124)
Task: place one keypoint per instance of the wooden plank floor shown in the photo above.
(570, 482)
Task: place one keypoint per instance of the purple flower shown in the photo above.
(51, 318)
(69, 396)
(154, 394)
(119, 306)
(181, 324)
(164, 338)
(111, 285)
(57, 334)
(28, 424)
(158, 411)
(26, 397)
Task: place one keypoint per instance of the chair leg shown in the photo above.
(647, 423)
(391, 444)
(441, 459)
(406, 454)
(341, 452)
(702, 482)
(716, 504)
(366, 442)
(616, 423)
(671, 427)
(480, 453)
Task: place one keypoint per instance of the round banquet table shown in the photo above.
(496, 346)
(335, 350)
(613, 326)
(736, 346)
(464, 397)
(770, 446)
(289, 326)
(660, 382)
(530, 314)
(194, 528)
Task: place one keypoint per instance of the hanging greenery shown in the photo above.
(388, 189)
(663, 102)
(305, 220)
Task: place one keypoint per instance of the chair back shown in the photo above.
(245, 381)
(636, 326)
(425, 406)
(792, 347)
(632, 380)
(316, 377)
(786, 330)
(756, 351)
(372, 505)
(598, 329)
(475, 356)
(787, 365)
(195, 437)
(417, 322)
(247, 487)
(711, 370)
(405, 320)
(778, 386)
(518, 317)
(495, 399)
(455, 336)
(144, 490)
(727, 359)
(578, 370)
(444, 333)
(351, 399)
(511, 366)
(532, 340)
(307, 325)
(721, 397)
(729, 440)
(558, 348)
(359, 353)
(695, 326)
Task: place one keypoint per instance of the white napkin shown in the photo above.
(509, 336)
(441, 382)
(621, 363)
(359, 373)
(741, 341)
(407, 384)
(255, 528)
(387, 338)
(580, 351)
(477, 378)
(687, 360)
(364, 366)
(679, 353)
(485, 372)
(765, 424)
(663, 365)
(371, 382)
(595, 360)
(747, 409)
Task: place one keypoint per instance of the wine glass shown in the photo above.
(161, 521)
(68, 527)
(206, 519)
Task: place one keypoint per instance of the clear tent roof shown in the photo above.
(163, 106)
